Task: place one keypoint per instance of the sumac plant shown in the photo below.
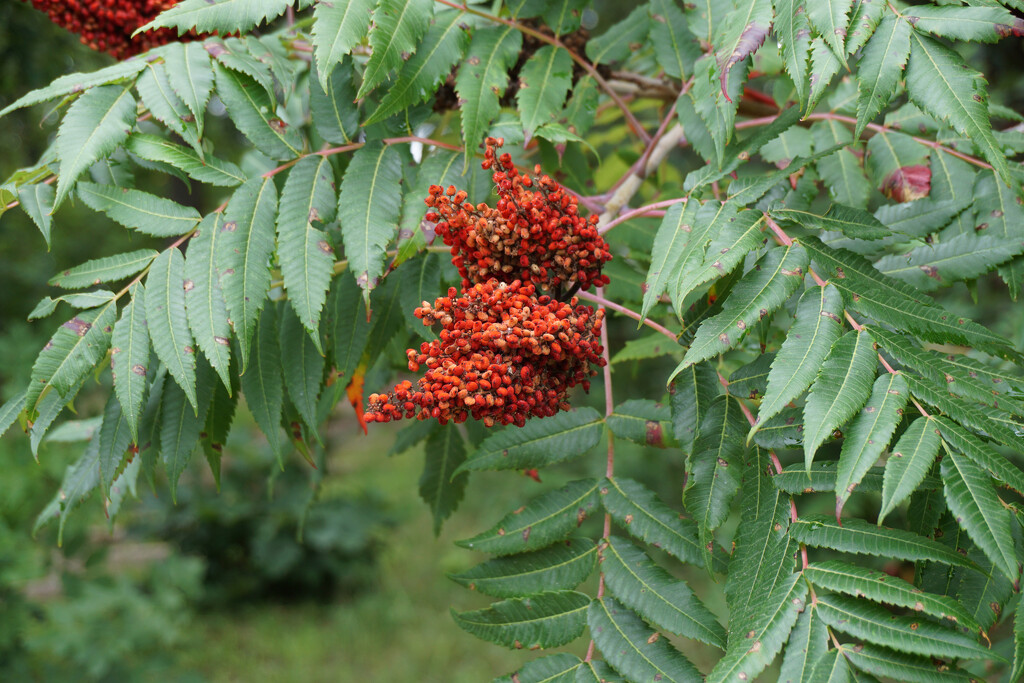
(791, 202)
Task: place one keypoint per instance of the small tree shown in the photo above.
(778, 244)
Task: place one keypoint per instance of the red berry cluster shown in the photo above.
(506, 352)
(107, 25)
(535, 234)
(504, 355)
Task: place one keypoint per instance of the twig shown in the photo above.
(357, 145)
(600, 300)
(643, 210)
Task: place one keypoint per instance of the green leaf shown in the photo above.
(668, 603)
(558, 668)
(981, 453)
(550, 517)
(304, 252)
(817, 327)
(857, 536)
(762, 561)
(945, 371)
(869, 434)
(833, 668)
(411, 435)
(562, 566)
(540, 443)
(222, 16)
(963, 257)
(106, 269)
(920, 218)
(370, 202)
(303, 367)
(73, 350)
(976, 506)
(94, 126)
(339, 27)
(636, 651)
(903, 667)
(204, 300)
(129, 358)
(670, 244)
(967, 414)
(333, 107)
(10, 410)
(759, 293)
(825, 64)
(898, 304)
(644, 422)
(620, 40)
(80, 480)
(398, 26)
(742, 33)
(163, 103)
(792, 31)
(420, 281)
(37, 202)
(722, 238)
(207, 169)
(795, 479)
(861, 619)
(751, 380)
(853, 223)
(841, 170)
(254, 113)
(482, 79)
(880, 68)
(243, 252)
(715, 476)
(984, 593)
(349, 326)
(830, 18)
(1018, 643)
(750, 652)
(674, 45)
(909, 462)
(191, 77)
(984, 24)
(167, 321)
(181, 425)
(862, 582)
(690, 395)
(808, 643)
(443, 45)
(639, 511)
(597, 671)
(864, 18)
(218, 423)
(139, 210)
(543, 83)
(78, 82)
(940, 83)
(115, 437)
(262, 382)
(540, 621)
(441, 484)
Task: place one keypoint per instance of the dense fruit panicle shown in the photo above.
(503, 355)
(534, 234)
(107, 25)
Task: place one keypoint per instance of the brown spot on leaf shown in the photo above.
(139, 369)
(188, 285)
(78, 326)
(654, 434)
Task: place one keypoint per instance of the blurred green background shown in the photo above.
(221, 586)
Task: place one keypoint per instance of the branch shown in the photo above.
(356, 145)
(601, 301)
(643, 210)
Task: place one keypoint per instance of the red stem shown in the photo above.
(600, 300)
(640, 212)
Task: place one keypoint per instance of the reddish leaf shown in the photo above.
(907, 183)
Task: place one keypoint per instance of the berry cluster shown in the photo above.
(504, 355)
(509, 349)
(535, 234)
(108, 25)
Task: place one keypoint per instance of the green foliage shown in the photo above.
(809, 235)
